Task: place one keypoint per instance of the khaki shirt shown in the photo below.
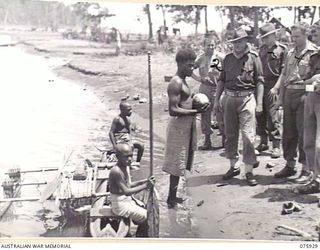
(315, 63)
(272, 60)
(241, 73)
(297, 67)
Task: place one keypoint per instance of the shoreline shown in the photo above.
(215, 209)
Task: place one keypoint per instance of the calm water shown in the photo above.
(43, 119)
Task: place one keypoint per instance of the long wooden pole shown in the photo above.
(150, 113)
(152, 220)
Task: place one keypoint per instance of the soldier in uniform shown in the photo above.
(292, 97)
(312, 118)
(272, 55)
(240, 78)
(208, 78)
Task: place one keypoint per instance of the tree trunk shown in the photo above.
(232, 21)
(164, 21)
(206, 18)
(313, 14)
(197, 19)
(256, 25)
(149, 21)
(221, 16)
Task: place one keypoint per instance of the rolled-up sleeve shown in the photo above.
(258, 77)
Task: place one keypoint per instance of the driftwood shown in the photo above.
(297, 232)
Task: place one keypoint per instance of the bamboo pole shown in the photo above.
(29, 183)
(36, 170)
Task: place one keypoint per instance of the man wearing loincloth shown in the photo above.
(121, 128)
(122, 188)
(181, 131)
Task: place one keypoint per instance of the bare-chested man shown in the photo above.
(121, 128)
(181, 132)
(122, 188)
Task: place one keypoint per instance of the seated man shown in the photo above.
(121, 190)
(121, 128)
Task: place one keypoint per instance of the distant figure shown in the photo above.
(160, 36)
(122, 189)
(176, 31)
(121, 128)
(181, 131)
(118, 41)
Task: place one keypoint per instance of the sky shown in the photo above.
(130, 18)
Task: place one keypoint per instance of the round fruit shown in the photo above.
(199, 100)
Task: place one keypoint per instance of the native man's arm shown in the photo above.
(174, 94)
(112, 131)
(129, 125)
(117, 176)
(137, 183)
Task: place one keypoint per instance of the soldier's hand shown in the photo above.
(273, 91)
(204, 108)
(259, 109)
